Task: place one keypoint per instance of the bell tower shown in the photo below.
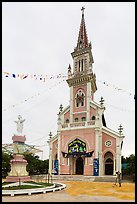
(82, 81)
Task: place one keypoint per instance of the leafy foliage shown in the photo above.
(128, 169)
(5, 164)
(130, 161)
(35, 166)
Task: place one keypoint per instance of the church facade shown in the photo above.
(84, 144)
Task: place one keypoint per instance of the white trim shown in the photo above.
(88, 100)
(53, 139)
(65, 110)
(71, 104)
(79, 127)
(109, 131)
(108, 150)
(82, 112)
(95, 104)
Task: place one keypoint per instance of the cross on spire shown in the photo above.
(82, 9)
(82, 38)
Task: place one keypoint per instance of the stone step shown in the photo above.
(84, 178)
(76, 178)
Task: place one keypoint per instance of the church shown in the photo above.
(84, 145)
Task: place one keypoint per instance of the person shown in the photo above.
(119, 178)
(116, 178)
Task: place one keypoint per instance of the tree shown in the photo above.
(36, 166)
(129, 168)
(5, 164)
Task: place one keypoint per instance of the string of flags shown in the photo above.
(41, 77)
(58, 76)
(116, 88)
(44, 77)
(33, 96)
(118, 108)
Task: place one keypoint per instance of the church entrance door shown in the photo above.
(79, 166)
(109, 167)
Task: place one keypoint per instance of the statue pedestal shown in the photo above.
(18, 170)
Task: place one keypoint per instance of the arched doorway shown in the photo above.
(79, 166)
(108, 163)
(109, 167)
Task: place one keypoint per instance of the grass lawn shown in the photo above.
(42, 185)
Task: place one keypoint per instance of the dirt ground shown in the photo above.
(80, 191)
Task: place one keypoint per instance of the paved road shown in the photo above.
(60, 196)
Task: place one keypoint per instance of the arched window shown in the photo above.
(79, 65)
(80, 44)
(82, 65)
(82, 102)
(67, 120)
(83, 119)
(76, 119)
(93, 117)
(80, 98)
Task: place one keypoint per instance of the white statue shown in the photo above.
(19, 124)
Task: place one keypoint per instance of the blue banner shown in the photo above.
(96, 167)
(56, 167)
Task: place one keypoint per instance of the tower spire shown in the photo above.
(82, 38)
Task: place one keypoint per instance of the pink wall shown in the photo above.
(92, 112)
(54, 149)
(66, 116)
(88, 170)
(79, 116)
(86, 135)
(64, 169)
(112, 148)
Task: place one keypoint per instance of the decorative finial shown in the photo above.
(69, 72)
(50, 135)
(61, 107)
(120, 129)
(82, 10)
(101, 101)
(69, 68)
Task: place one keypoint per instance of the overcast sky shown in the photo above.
(38, 38)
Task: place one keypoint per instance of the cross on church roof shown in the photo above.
(101, 101)
(120, 129)
(82, 10)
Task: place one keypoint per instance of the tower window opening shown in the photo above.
(80, 99)
(67, 120)
(93, 117)
(83, 119)
(82, 65)
(80, 44)
(76, 119)
(79, 65)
